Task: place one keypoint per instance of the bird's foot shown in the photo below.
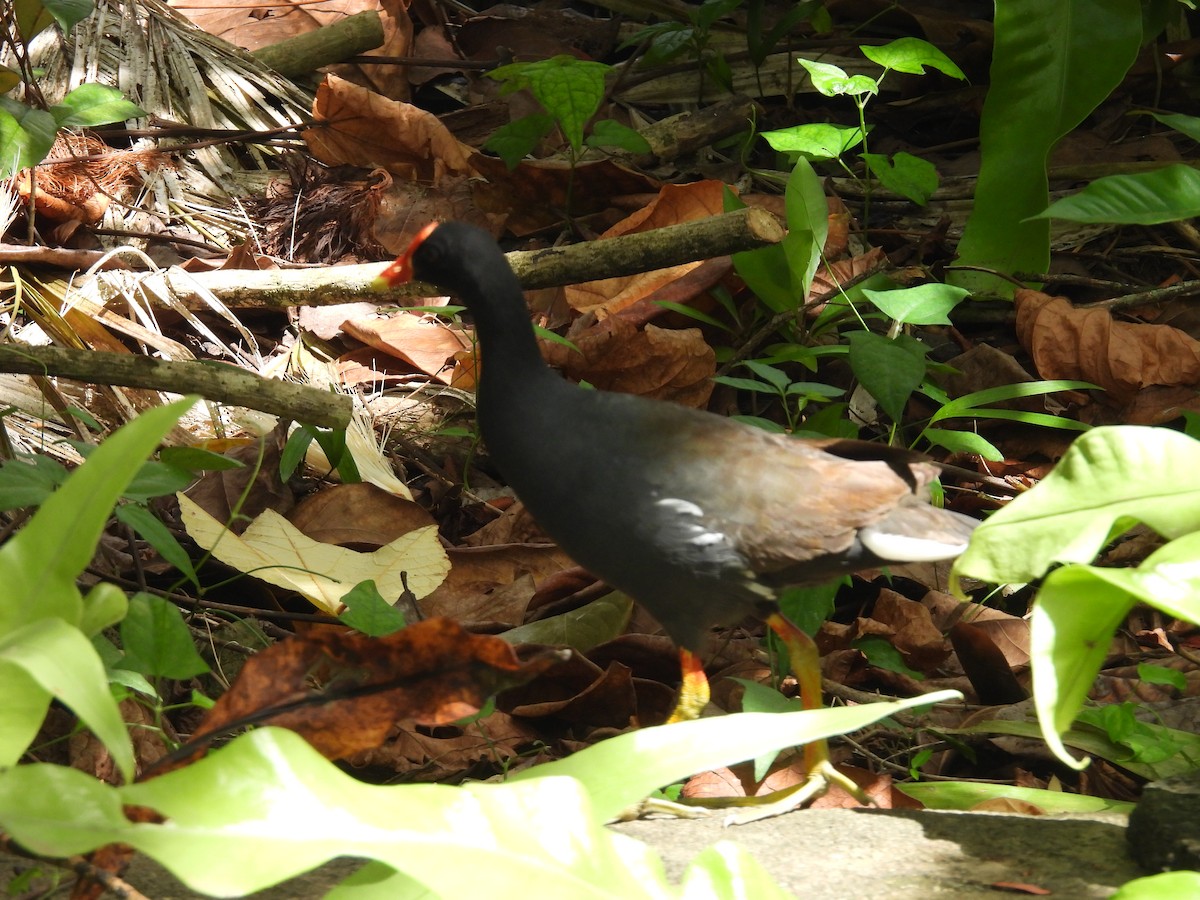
(820, 779)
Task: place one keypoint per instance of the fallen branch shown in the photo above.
(220, 382)
(746, 229)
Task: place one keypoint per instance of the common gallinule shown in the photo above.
(698, 517)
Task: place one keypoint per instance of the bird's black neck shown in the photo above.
(513, 374)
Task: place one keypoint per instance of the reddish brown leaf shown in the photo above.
(344, 691)
(1087, 344)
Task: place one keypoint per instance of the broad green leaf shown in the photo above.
(925, 304)
(157, 642)
(1078, 611)
(1110, 478)
(820, 140)
(516, 140)
(67, 13)
(104, 606)
(268, 807)
(569, 89)
(604, 619)
(889, 369)
(768, 373)
(32, 18)
(27, 481)
(808, 226)
(90, 105)
(26, 136)
(907, 175)
(610, 133)
(65, 666)
(912, 55)
(157, 479)
(1151, 674)
(1189, 125)
(1159, 887)
(1051, 65)
(651, 757)
(22, 712)
(966, 795)
(39, 565)
(962, 442)
(1168, 194)
(833, 81)
(196, 459)
(9, 79)
(368, 612)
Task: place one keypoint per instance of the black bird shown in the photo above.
(699, 518)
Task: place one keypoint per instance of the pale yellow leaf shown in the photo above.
(273, 550)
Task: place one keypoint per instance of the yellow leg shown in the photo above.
(693, 689)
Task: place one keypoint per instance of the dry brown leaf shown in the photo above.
(359, 127)
(1087, 344)
(344, 691)
(427, 344)
(674, 204)
(663, 363)
(362, 516)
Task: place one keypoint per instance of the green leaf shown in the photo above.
(90, 105)
(568, 88)
(9, 79)
(1188, 125)
(925, 304)
(975, 403)
(883, 655)
(808, 226)
(156, 479)
(195, 459)
(1168, 194)
(889, 369)
(157, 642)
(28, 481)
(1051, 65)
(963, 442)
(48, 659)
(26, 136)
(368, 612)
(832, 81)
(912, 55)
(519, 138)
(611, 133)
(966, 795)
(104, 606)
(1156, 887)
(768, 373)
(745, 384)
(1162, 675)
(151, 529)
(820, 140)
(67, 13)
(294, 451)
(1079, 609)
(604, 619)
(38, 566)
(1108, 479)
(907, 175)
(651, 757)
